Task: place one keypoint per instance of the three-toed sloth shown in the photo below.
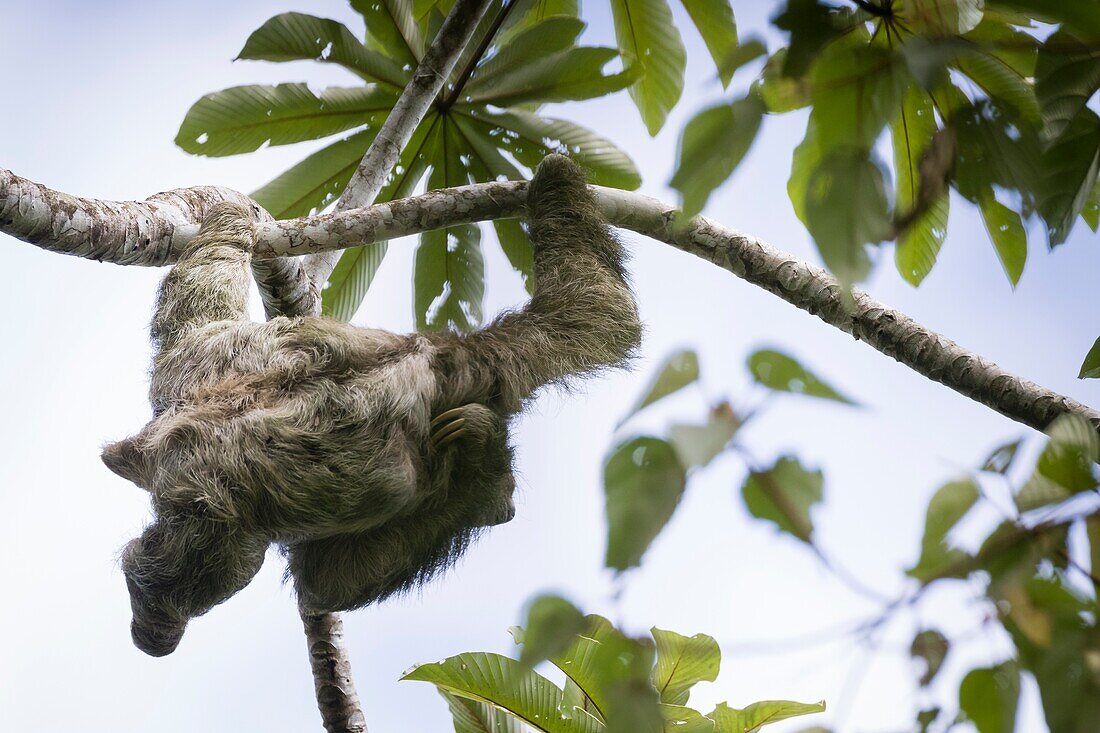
(371, 457)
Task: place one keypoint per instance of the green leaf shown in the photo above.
(1066, 466)
(1090, 367)
(740, 55)
(782, 93)
(989, 697)
(712, 145)
(1001, 81)
(297, 37)
(784, 494)
(811, 26)
(846, 210)
(1071, 165)
(505, 683)
(354, 272)
(529, 138)
(783, 373)
(1007, 233)
(856, 90)
(243, 119)
(679, 719)
(552, 623)
(317, 181)
(948, 506)
(1000, 460)
(1091, 212)
(473, 716)
(1016, 48)
(698, 445)
(648, 39)
(643, 483)
(391, 29)
(1067, 75)
(570, 75)
(919, 245)
(527, 13)
(682, 662)
(759, 714)
(995, 149)
(941, 17)
(676, 372)
(715, 23)
(545, 38)
(931, 646)
(449, 270)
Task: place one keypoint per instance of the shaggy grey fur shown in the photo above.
(318, 435)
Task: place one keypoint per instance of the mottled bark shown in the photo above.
(332, 681)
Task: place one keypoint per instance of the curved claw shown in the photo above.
(445, 416)
(448, 433)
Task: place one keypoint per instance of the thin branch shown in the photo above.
(142, 240)
(332, 681)
(475, 58)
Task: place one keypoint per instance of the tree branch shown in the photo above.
(332, 681)
(142, 239)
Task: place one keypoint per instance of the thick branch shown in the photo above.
(803, 285)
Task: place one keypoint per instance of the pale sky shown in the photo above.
(94, 95)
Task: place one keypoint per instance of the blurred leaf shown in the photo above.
(782, 373)
(1000, 460)
(1001, 81)
(948, 506)
(941, 17)
(297, 36)
(912, 132)
(698, 445)
(1066, 466)
(810, 25)
(1071, 165)
(1091, 212)
(1090, 367)
(508, 685)
(750, 50)
(1015, 48)
(989, 697)
(995, 150)
(648, 38)
(545, 38)
(391, 29)
(529, 138)
(317, 181)
(354, 272)
(712, 146)
(569, 75)
(715, 23)
(784, 494)
(243, 119)
(846, 209)
(474, 716)
(931, 646)
(643, 482)
(1080, 16)
(1008, 235)
(781, 93)
(1067, 75)
(679, 719)
(676, 372)
(682, 662)
(449, 270)
(552, 623)
(857, 90)
(732, 720)
(527, 13)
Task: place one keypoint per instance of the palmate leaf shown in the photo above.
(1071, 165)
(715, 22)
(1067, 75)
(1000, 81)
(919, 245)
(570, 75)
(529, 138)
(391, 29)
(527, 13)
(474, 716)
(649, 39)
(1008, 235)
(941, 17)
(449, 270)
(297, 36)
(242, 119)
(544, 38)
(350, 280)
(503, 682)
(316, 181)
(1013, 47)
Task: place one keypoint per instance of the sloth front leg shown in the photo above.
(473, 423)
